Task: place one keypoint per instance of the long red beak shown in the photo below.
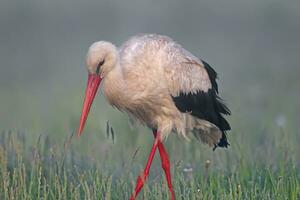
(93, 83)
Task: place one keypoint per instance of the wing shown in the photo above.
(194, 90)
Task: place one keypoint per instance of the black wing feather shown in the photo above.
(206, 105)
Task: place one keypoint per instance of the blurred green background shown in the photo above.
(253, 45)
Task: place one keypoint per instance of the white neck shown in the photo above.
(114, 87)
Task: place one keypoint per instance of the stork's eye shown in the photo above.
(99, 65)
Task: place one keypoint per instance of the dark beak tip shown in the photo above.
(79, 133)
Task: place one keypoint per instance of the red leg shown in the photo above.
(141, 179)
(165, 163)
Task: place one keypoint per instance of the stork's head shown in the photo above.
(100, 60)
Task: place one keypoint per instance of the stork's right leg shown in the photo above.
(141, 179)
(165, 163)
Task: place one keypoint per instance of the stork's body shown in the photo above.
(154, 79)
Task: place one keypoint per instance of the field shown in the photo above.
(261, 163)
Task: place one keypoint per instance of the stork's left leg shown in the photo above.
(165, 163)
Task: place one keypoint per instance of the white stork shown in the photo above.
(155, 80)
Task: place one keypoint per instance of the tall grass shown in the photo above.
(48, 169)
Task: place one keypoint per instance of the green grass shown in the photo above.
(42, 160)
(264, 166)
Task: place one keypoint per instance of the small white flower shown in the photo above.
(187, 169)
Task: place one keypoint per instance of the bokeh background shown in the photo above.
(253, 45)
